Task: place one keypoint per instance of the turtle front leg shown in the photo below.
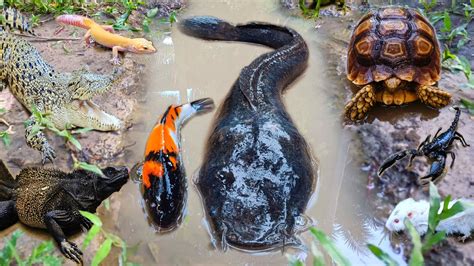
(36, 139)
(360, 104)
(8, 214)
(433, 96)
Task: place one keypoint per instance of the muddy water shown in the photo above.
(186, 69)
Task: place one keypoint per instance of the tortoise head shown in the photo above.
(89, 189)
(392, 84)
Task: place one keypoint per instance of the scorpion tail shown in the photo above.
(456, 118)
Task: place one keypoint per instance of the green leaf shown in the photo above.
(74, 142)
(447, 22)
(381, 255)
(102, 253)
(329, 246)
(2, 111)
(92, 217)
(416, 257)
(107, 204)
(469, 105)
(52, 260)
(95, 229)
(455, 209)
(152, 12)
(5, 138)
(82, 130)
(293, 261)
(433, 219)
(318, 257)
(431, 240)
(7, 252)
(88, 167)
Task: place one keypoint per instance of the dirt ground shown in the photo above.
(390, 129)
(100, 148)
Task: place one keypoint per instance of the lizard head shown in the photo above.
(89, 189)
(142, 46)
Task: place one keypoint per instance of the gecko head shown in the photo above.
(142, 46)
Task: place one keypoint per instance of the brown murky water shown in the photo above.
(185, 69)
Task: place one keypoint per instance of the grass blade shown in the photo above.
(102, 253)
(381, 255)
(416, 258)
(330, 247)
(92, 217)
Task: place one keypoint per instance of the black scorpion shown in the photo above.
(436, 150)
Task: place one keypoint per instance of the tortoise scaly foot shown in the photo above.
(433, 96)
(360, 104)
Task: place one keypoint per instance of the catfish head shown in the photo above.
(89, 189)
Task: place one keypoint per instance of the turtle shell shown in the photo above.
(394, 42)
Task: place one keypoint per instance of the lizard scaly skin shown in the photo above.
(104, 35)
(63, 97)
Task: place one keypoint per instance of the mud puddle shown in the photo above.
(186, 69)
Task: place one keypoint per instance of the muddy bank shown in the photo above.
(101, 148)
(389, 129)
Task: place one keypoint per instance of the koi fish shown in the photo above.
(163, 175)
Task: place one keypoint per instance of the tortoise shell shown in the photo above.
(394, 42)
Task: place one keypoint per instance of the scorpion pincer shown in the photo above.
(436, 150)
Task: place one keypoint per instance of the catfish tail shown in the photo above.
(261, 82)
(8, 185)
(75, 20)
(211, 28)
(454, 125)
(13, 19)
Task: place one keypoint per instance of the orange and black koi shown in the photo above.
(163, 174)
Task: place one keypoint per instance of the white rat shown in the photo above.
(418, 211)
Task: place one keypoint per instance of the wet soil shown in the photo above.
(100, 148)
(391, 129)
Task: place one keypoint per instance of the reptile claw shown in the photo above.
(48, 154)
(71, 251)
(115, 61)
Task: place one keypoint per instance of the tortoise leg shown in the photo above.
(433, 96)
(360, 104)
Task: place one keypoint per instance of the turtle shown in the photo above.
(394, 57)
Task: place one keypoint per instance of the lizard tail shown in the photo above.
(76, 20)
(13, 19)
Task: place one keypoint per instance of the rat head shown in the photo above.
(89, 189)
(141, 46)
(415, 211)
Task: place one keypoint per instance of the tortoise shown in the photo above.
(395, 57)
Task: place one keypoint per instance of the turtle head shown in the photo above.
(89, 189)
(392, 84)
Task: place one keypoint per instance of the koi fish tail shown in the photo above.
(75, 20)
(196, 107)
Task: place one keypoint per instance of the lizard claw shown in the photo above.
(71, 251)
(115, 61)
(86, 223)
(48, 154)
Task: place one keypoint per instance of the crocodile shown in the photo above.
(51, 199)
(63, 97)
(258, 174)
